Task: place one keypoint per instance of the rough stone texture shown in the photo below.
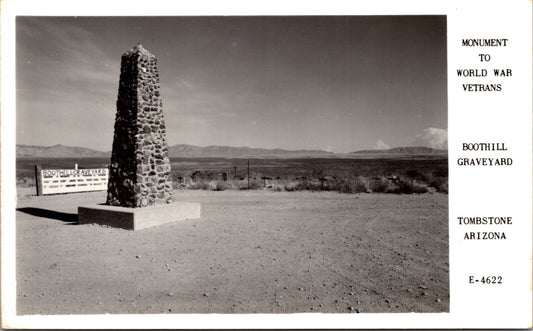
(139, 174)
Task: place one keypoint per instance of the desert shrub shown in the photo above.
(343, 185)
(290, 186)
(277, 188)
(279, 184)
(204, 175)
(425, 177)
(221, 185)
(301, 185)
(379, 185)
(359, 186)
(218, 185)
(307, 185)
(26, 181)
(184, 182)
(174, 175)
(239, 185)
(407, 187)
(202, 184)
(440, 184)
(437, 179)
(254, 185)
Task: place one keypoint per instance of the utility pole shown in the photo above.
(38, 179)
(248, 174)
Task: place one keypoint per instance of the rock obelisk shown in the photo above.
(139, 174)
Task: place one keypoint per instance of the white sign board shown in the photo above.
(73, 180)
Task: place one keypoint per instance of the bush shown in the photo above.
(185, 182)
(438, 180)
(290, 186)
(342, 185)
(202, 185)
(440, 184)
(379, 185)
(306, 185)
(280, 185)
(360, 186)
(26, 181)
(407, 187)
(254, 185)
(220, 185)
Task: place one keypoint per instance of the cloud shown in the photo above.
(380, 144)
(433, 137)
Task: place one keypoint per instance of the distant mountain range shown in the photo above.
(59, 151)
(418, 150)
(27, 151)
(227, 151)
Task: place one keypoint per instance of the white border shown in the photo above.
(472, 118)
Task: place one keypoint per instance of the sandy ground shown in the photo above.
(251, 252)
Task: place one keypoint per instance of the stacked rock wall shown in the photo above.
(139, 174)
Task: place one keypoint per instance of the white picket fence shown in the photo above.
(55, 181)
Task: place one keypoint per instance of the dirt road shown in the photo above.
(251, 252)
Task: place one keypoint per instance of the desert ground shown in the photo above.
(251, 252)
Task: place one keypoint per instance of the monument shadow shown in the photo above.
(51, 214)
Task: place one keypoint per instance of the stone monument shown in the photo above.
(139, 174)
(140, 189)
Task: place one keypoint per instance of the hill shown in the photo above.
(181, 150)
(62, 151)
(418, 150)
(238, 152)
(57, 151)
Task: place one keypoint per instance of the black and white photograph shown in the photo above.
(231, 165)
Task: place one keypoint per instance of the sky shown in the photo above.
(335, 83)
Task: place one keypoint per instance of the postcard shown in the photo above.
(269, 165)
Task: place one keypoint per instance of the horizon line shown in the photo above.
(265, 148)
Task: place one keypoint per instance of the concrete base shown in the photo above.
(137, 218)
